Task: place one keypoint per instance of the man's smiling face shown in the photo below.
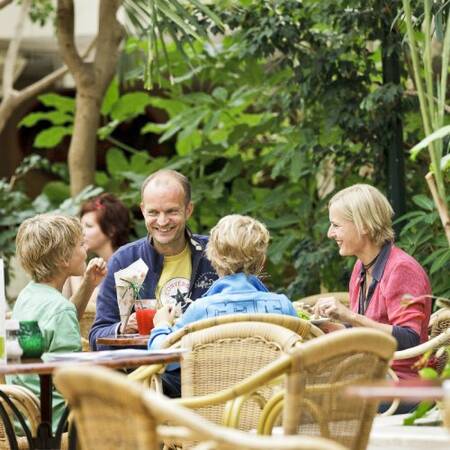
(165, 212)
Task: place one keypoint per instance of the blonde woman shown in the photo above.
(237, 250)
(388, 288)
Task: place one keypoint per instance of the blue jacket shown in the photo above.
(107, 317)
(233, 294)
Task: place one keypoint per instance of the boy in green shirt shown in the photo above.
(50, 248)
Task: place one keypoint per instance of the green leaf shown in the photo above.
(173, 107)
(440, 262)
(157, 128)
(427, 373)
(251, 120)
(54, 117)
(59, 102)
(185, 144)
(116, 161)
(438, 134)
(56, 191)
(220, 93)
(139, 162)
(51, 137)
(420, 411)
(130, 105)
(101, 179)
(279, 247)
(281, 222)
(445, 162)
(107, 129)
(423, 202)
(111, 97)
(219, 136)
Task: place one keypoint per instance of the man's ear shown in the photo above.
(142, 208)
(189, 210)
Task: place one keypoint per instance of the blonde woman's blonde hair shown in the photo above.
(45, 241)
(368, 209)
(238, 244)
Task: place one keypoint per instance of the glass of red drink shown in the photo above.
(145, 311)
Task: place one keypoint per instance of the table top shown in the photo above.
(37, 366)
(389, 433)
(415, 390)
(124, 340)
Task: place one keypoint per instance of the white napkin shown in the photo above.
(133, 274)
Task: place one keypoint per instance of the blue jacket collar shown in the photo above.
(237, 282)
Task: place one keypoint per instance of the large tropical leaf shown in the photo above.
(160, 20)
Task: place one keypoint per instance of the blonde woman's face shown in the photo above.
(345, 233)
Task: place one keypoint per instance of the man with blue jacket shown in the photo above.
(178, 271)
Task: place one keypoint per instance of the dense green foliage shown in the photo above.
(288, 106)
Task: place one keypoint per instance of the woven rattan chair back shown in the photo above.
(87, 320)
(440, 324)
(111, 412)
(306, 330)
(316, 402)
(303, 328)
(222, 355)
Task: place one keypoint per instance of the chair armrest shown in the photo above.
(418, 350)
(144, 374)
(26, 402)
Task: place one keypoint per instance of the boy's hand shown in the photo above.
(95, 271)
(164, 315)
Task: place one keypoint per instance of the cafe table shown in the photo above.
(114, 359)
(388, 432)
(124, 340)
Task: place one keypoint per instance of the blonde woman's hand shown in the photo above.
(333, 308)
(95, 271)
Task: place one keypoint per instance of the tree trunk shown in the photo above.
(81, 157)
(91, 80)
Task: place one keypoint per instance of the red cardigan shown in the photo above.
(403, 279)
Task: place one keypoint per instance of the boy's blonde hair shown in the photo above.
(45, 241)
(238, 244)
(368, 209)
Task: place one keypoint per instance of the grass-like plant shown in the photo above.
(431, 88)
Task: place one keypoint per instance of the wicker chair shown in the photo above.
(222, 355)
(439, 337)
(318, 373)
(147, 374)
(111, 412)
(27, 404)
(85, 325)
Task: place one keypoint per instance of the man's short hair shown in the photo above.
(45, 241)
(169, 173)
(368, 209)
(238, 244)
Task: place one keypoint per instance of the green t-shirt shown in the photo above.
(57, 319)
